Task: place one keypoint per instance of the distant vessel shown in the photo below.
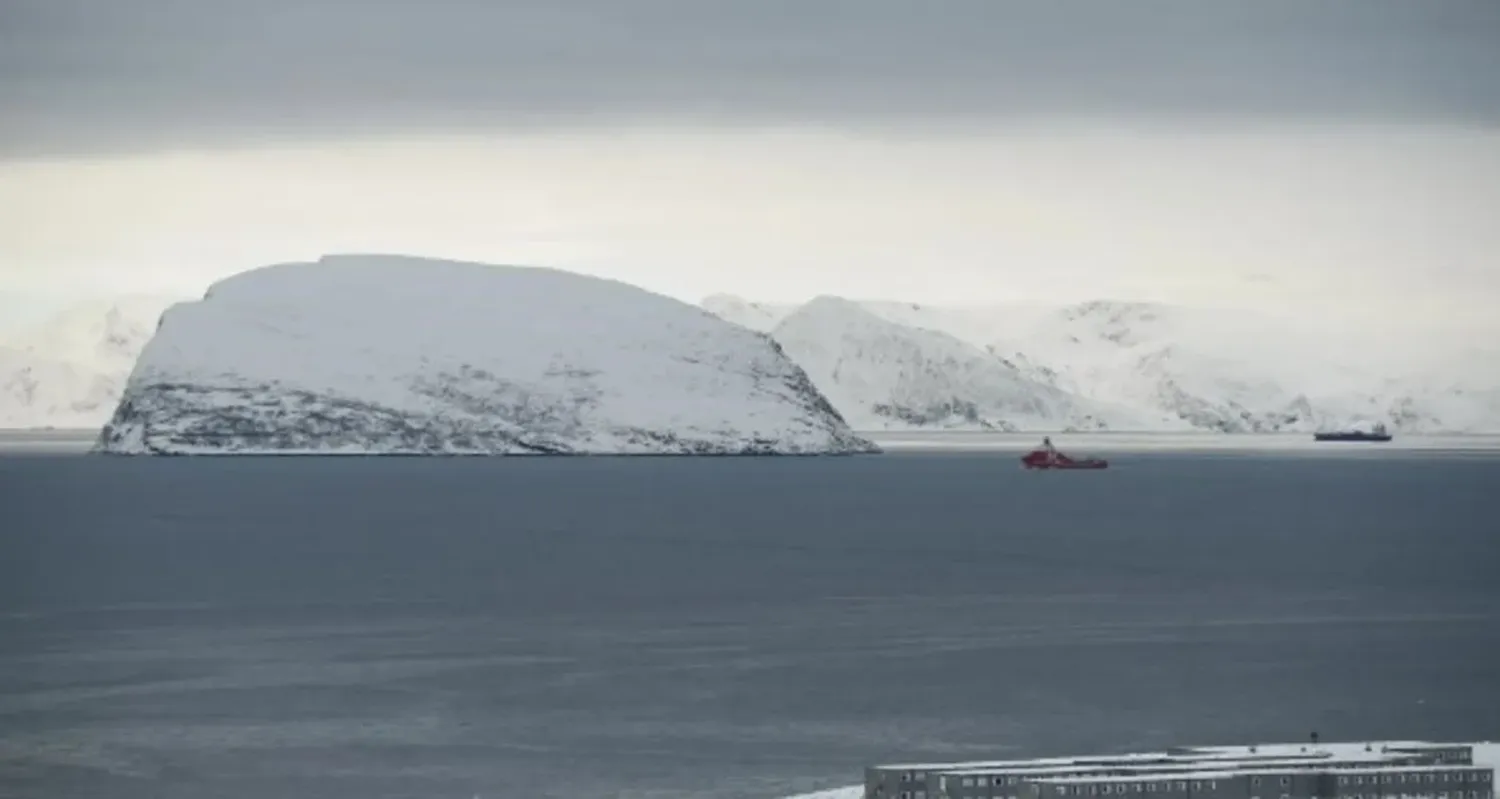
(1378, 434)
(1049, 458)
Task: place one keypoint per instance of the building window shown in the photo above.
(1150, 787)
(1255, 780)
(968, 782)
(1139, 787)
(1197, 785)
(1062, 790)
(919, 776)
(1484, 776)
(1386, 779)
(1181, 785)
(1011, 781)
(920, 795)
(1343, 780)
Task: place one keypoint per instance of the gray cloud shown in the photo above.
(88, 75)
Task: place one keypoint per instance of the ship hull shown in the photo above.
(1352, 437)
(1040, 459)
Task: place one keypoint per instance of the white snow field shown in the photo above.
(906, 367)
(401, 355)
(883, 375)
(69, 370)
(1127, 366)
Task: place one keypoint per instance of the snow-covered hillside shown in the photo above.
(1239, 372)
(1158, 367)
(1144, 366)
(762, 317)
(883, 376)
(69, 371)
(404, 355)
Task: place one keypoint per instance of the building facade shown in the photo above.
(1404, 770)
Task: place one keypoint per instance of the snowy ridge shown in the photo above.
(761, 317)
(1125, 366)
(396, 355)
(885, 376)
(1239, 372)
(70, 370)
(1152, 367)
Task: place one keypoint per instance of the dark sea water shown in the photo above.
(451, 628)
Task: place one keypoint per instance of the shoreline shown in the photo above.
(80, 440)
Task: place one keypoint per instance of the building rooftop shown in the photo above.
(1401, 769)
(1373, 751)
(1239, 764)
(1145, 776)
(1225, 774)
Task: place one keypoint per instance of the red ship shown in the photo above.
(1049, 458)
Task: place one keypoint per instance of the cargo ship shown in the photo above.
(1377, 434)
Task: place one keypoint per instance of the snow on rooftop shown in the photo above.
(1373, 751)
(1185, 764)
(977, 764)
(1346, 748)
(1143, 776)
(1230, 773)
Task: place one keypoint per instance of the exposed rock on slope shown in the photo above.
(1127, 366)
(394, 355)
(884, 375)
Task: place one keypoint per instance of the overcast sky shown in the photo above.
(1234, 151)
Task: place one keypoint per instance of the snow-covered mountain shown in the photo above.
(69, 370)
(883, 375)
(387, 354)
(1236, 371)
(1205, 368)
(1149, 366)
(762, 317)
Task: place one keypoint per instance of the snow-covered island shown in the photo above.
(371, 354)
